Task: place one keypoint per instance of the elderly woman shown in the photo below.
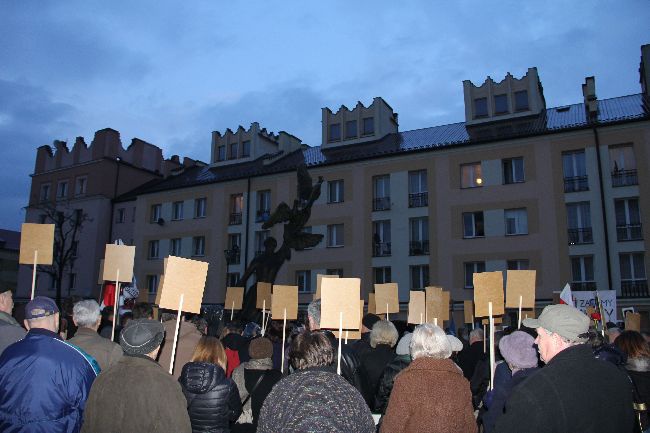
(637, 350)
(383, 338)
(431, 394)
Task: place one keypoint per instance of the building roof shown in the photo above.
(9, 240)
(553, 120)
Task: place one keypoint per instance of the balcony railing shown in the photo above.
(634, 288)
(629, 232)
(576, 183)
(262, 215)
(419, 199)
(235, 218)
(381, 249)
(581, 286)
(233, 256)
(624, 178)
(381, 203)
(580, 236)
(418, 248)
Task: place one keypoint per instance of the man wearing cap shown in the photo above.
(10, 330)
(44, 381)
(137, 394)
(574, 392)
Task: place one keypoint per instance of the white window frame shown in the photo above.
(304, 276)
(519, 265)
(177, 210)
(631, 260)
(421, 282)
(582, 261)
(512, 170)
(475, 270)
(471, 175)
(152, 284)
(335, 191)
(474, 232)
(175, 247)
(200, 205)
(335, 235)
(519, 218)
(62, 189)
(198, 246)
(153, 250)
(383, 271)
(156, 212)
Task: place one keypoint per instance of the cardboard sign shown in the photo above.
(417, 307)
(433, 303)
(386, 300)
(588, 299)
(633, 322)
(284, 297)
(468, 310)
(234, 298)
(186, 277)
(349, 334)
(528, 314)
(520, 283)
(446, 299)
(118, 259)
(340, 295)
(372, 308)
(263, 295)
(488, 287)
(319, 278)
(36, 237)
(497, 320)
(161, 281)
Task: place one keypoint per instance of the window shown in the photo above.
(121, 215)
(513, 170)
(518, 265)
(470, 175)
(521, 100)
(472, 268)
(575, 171)
(263, 206)
(335, 132)
(335, 191)
(175, 247)
(368, 125)
(582, 273)
(418, 196)
(419, 236)
(623, 165)
(62, 189)
(221, 153)
(72, 281)
(473, 226)
(480, 107)
(233, 278)
(155, 212)
(154, 249)
(45, 192)
(336, 271)
(351, 129)
(501, 104)
(381, 238)
(419, 276)
(260, 238)
(628, 219)
(152, 284)
(177, 210)
(233, 150)
(199, 207)
(245, 149)
(516, 221)
(303, 281)
(74, 248)
(579, 223)
(236, 206)
(335, 235)
(633, 277)
(382, 275)
(80, 186)
(234, 248)
(381, 192)
(198, 246)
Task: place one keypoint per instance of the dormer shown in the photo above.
(511, 98)
(358, 125)
(246, 145)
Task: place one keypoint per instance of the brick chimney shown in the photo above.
(590, 98)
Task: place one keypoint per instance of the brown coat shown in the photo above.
(430, 395)
(105, 352)
(188, 338)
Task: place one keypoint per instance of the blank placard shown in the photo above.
(386, 297)
(319, 278)
(488, 287)
(468, 310)
(520, 283)
(36, 237)
(417, 307)
(284, 297)
(434, 303)
(633, 322)
(372, 308)
(183, 277)
(350, 334)
(340, 295)
(234, 298)
(118, 259)
(497, 320)
(263, 295)
(528, 314)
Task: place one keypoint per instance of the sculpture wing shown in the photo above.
(305, 240)
(304, 183)
(281, 214)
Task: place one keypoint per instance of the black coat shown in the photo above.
(638, 369)
(373, 363)
(574, 392)
(212, 399)
(469, 357)
(387, 379)
(350, 366)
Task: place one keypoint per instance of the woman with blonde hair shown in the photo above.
(212, 398)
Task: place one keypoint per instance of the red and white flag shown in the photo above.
(566, 297)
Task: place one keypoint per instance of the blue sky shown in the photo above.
(171, 72)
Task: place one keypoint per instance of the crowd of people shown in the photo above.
(554, 374)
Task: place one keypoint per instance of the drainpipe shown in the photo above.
(248, 202)
(602, 204)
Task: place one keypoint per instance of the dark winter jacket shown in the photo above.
(212, 399)
(469, 357)
(638, 369)
(399, 363)
(574, 392)
(350, 367)
(10, 331)
(373, 364)
(495, 400)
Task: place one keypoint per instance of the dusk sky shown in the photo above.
(170, 73)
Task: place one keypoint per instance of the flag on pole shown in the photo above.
(566, 297)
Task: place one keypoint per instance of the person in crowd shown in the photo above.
(136, 394)
(456, 347)
(274, 334)
(613, 331)
(363, 344)
(44, 381)
(124, 320)
(480, 380)
(470, 356)
(574, 392)
(106, 325)
(637, 350)
(142, 310)
(10, 330)
(236, 345)
(314, 398)
(86, 317)
(431, 394)
(518, 351)
(257, 375)
(400, 362)
(66, 313)
(212, 399)
(383, 338)
(188, 337)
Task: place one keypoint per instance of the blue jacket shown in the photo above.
(44, 384)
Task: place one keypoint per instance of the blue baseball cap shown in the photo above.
(40, 306)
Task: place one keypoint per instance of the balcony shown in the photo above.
(235, 218)
(634, 288)
(580, 236)
(420, 199)
(576, 184)
(624, 178)
(629, 232)
(381, 249)
(418, 248)
(262, 216)
(381, 203)
(233, 256)
(583, 286)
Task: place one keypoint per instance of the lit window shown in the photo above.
(471, 175)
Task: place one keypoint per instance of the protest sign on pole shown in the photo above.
(488, 287)
(386, 299)
(586, 299)
(433, 304)
(417, 307)
(118, 267)
(520, 291)
(468, 310)
(319, 279)
(263, 301)
(372, 308)
(284, 304)
(36, 247)
(234, 299)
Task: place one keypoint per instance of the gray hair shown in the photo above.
(86, 313)
(477, 334)
(383, 332)
(430, 341)
(313, 311)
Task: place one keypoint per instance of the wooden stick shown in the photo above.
(421, 318)
(263, 313)
(346, 336)
(484, 338)
(492, 360)
(232, 311)
(178, 324)
(116, 299)
(338, 362)
(387, 311)
(284, 328)
(473, 322)
(435, 321)
(268, 317)
(520, 301)
(34, 273)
